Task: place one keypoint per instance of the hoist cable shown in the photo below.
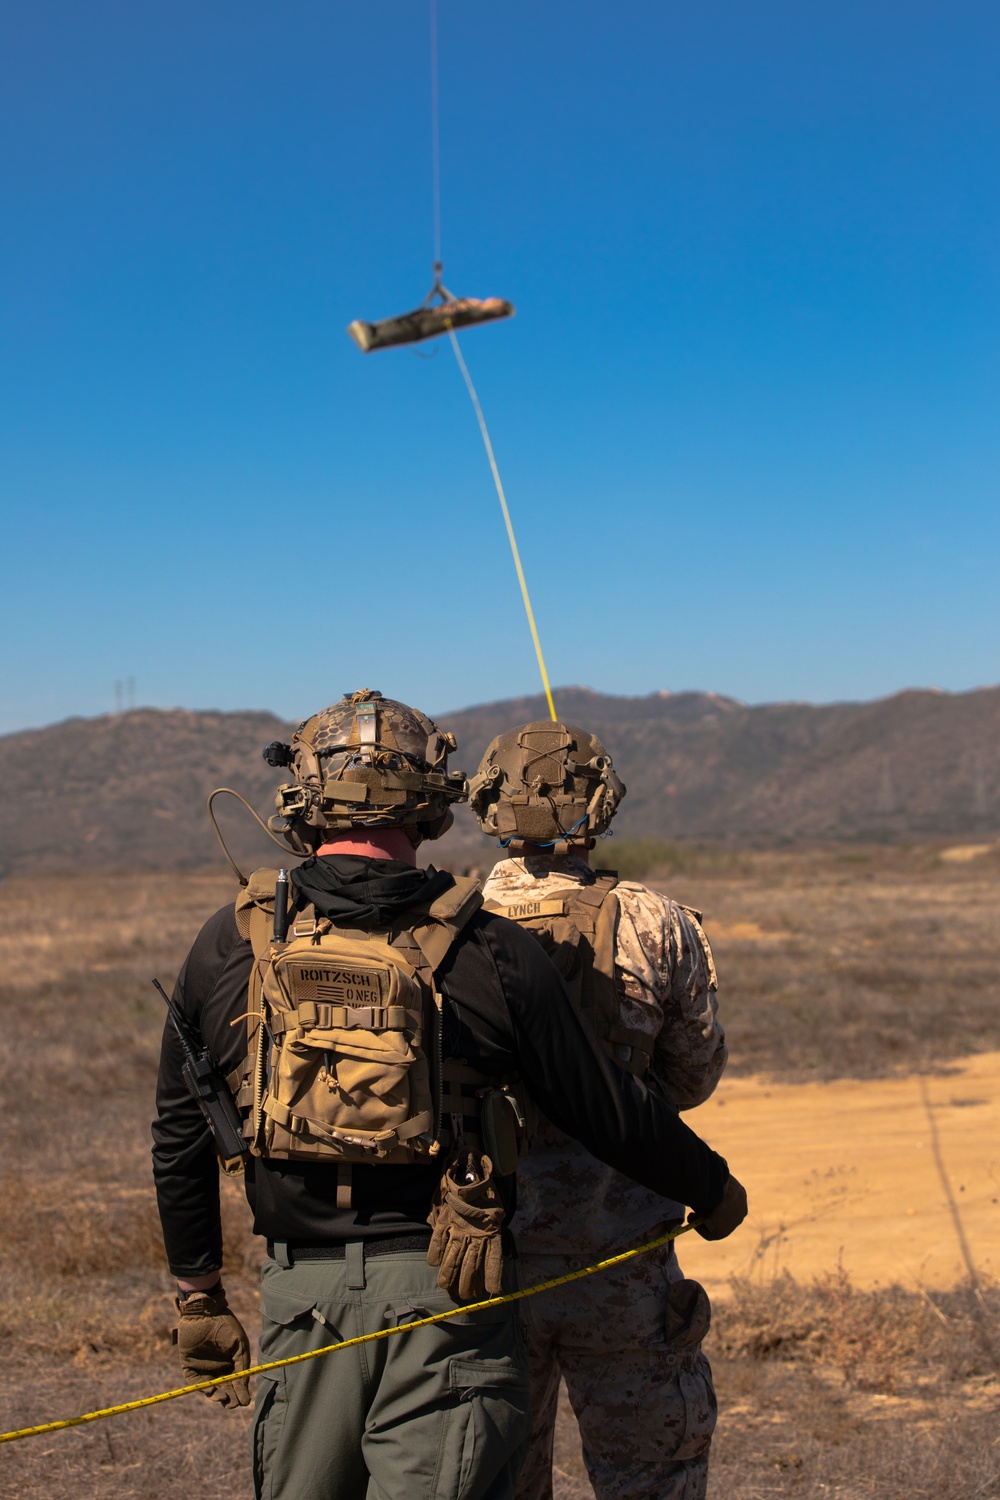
(435, 140)
(438, 267)
(506, 517)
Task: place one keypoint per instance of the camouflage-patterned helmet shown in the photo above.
(366, 762)
(545, 783)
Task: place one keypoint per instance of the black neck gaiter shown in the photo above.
(355, 890)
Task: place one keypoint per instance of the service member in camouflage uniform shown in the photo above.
(628, 1342)
(441, 1412)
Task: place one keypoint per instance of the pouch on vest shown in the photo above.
(504, 1128)
(349, 1076)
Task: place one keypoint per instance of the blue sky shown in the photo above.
(746, 414)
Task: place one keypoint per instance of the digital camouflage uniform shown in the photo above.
(628, 1341)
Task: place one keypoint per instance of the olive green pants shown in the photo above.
(441, 1413)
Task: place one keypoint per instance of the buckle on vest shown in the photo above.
(366, 1017)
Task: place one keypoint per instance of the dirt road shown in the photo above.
(898, 1178)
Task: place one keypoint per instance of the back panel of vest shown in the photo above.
(553, 928)
(565, 926)
(577, 929)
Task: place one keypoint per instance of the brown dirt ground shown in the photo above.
(852, 981)
(897, 1179)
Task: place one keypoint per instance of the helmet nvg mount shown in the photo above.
(546, 783)
(365, 762)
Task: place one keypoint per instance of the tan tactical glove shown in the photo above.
(212, 1341)
(728, 1214)
(467, 1218)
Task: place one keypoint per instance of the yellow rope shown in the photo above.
(364, 1338)
(506, 517)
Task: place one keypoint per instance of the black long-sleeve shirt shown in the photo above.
(505, 1012)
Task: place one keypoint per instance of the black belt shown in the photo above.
(388, 1244)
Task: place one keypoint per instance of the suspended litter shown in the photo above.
(441, 311)
(430, 319)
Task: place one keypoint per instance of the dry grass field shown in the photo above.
(859, 964)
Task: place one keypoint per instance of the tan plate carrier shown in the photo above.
(343, 1061)
(578, 929)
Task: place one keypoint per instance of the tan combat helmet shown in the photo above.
(365, 762)
(546, 783)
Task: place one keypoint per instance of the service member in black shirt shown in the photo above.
(359, 1240)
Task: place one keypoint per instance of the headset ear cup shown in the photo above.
(433, 828)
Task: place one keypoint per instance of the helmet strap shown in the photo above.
(526, 848)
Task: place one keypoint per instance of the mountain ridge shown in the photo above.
(128, 790)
